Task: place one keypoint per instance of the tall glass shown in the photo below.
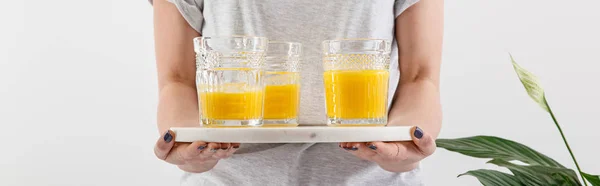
(282, 79)
(356, 81)
(229, 80)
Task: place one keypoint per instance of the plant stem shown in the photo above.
(566, 143)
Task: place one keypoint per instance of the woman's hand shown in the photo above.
(193, 157)
(400, 156)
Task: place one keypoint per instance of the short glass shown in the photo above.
(229, 80)
(282, 79)
(356, 74)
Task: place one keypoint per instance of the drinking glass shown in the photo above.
(356, 73)
(282, 79)
(229, 80)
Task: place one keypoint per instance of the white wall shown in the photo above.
(78, 87)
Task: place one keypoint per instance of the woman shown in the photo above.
(414, 83)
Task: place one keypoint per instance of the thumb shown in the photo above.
(423, 141)
(164, 144)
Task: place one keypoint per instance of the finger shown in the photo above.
(345, 145)
(193, 150)
(222, 152)
(362, 151)
(342, 145)
(367, 150)
(424, 142)
(234, 147)
(175, 156)
(164, 145)
(390, 150)
(210, 149)
(353, 146)
(225, 146)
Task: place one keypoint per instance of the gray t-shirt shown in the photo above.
(308, 22)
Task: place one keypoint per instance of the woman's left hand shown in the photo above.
(399, 156)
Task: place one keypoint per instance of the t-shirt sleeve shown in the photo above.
(191, 10)
(401, 5)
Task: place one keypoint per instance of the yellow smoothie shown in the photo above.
(281, 101)
(356, 94)
(231, 105)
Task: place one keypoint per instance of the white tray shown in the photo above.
(302, 134)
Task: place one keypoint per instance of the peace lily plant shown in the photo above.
(535, 169)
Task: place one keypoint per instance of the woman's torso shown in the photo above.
(308, 22)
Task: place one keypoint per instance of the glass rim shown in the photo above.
(284, 48)
(231, 37)
(356, 46)
(356, 40)
(260, 43)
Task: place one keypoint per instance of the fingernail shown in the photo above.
(213, 150)
(236, 147)
(202, 147)
(168, 137)
(418, 133)
(224, 148)
(346, 148)
(354, 148)
(373, 147)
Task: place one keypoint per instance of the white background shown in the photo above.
(78, 88)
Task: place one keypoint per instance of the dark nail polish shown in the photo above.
(168, 137)
(418, 133)
(201, 147)
(346, 148)
(224, 148)
(373, 147)
(236, 147)
(354, 148)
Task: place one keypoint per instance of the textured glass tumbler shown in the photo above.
(356, 74)
(229, 80)
(282, 79)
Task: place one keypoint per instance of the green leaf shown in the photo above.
(540, 175)
(536, 92)
(493, 178)
(531, 84)
(593, 179)
(498, 148)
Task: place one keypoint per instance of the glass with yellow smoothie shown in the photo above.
(229, 80)
(282, 84)
(356, 75)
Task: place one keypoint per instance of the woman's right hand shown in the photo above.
(193, 157)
